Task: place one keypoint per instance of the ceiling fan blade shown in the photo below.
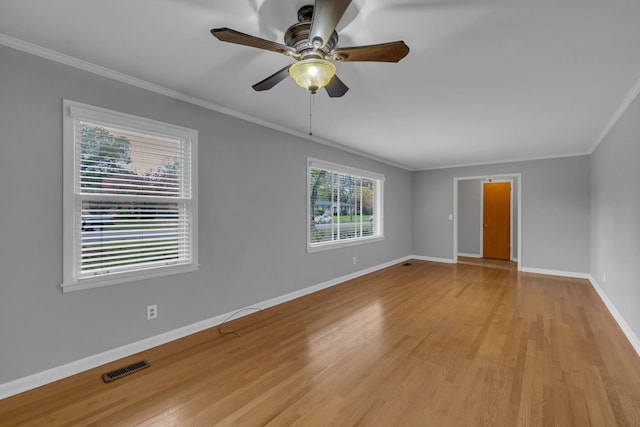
(233, 36)
(336, 88)
(384, 52)
(273, 79)
(326, 15)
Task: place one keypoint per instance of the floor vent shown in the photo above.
(406, 264)
(119, 373)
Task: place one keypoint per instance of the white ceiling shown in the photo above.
(486, 80)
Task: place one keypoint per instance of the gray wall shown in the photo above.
(247, 173)
(470, 196)
(252, 212)
(555, 211)
(615, 215)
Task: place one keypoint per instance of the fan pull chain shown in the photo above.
(311, 104)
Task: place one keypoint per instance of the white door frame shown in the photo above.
(499, 177)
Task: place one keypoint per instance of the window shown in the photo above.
(344, 205)
(129, 198)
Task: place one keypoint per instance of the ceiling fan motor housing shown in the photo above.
(297, 36)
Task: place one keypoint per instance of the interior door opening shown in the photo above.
(468, 220)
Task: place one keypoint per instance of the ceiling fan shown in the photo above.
(312, 42)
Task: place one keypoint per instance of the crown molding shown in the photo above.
(152, 87)
(626, 103)
(71, 61)
(502, 162)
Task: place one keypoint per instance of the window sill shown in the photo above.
(115, 279)
(336, 245)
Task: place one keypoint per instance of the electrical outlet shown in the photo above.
(604, 278)
(355, 260)
(152, 311)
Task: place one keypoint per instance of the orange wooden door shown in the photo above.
(496, 236)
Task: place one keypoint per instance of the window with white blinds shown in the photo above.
(344, 205)
(130, 197)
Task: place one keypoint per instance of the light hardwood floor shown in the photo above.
(421, 345)
(488, 262)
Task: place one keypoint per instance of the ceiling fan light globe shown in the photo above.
(313, 73)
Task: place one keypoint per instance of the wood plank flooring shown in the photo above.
(421, 345)
(488, 262)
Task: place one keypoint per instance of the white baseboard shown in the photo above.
(45, 377)
(628, 332)
(54, 374)
(469, 255)
(626, 329)
(433, 259)
(327, 284)
(556, 272)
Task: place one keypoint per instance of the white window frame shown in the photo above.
(378, 213)
(73, 111)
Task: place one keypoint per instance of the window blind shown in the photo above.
(344, 204)
(133, 199)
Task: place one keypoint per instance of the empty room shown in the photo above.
(319, 213)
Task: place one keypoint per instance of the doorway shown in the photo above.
(463, 210)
